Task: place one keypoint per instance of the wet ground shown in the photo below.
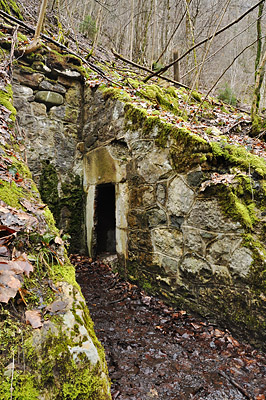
(156, 352)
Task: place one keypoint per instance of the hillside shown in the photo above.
(176, 169)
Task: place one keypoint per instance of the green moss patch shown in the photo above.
(6, 99)
(11, 7)
(239, 156)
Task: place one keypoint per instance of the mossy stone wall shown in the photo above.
(199, 245)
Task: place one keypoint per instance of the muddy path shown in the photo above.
(155, 352)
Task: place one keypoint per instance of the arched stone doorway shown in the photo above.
(107, 202)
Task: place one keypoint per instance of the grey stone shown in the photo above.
(220, 251)
(192, 240)
(161, 193)
(45, 85)
(207, 236)
(141, 147)
(241, 262)
(59, 88)
(207, 215)
(195, 266)
(38, 109)
(154, 166)
(21, 105)
(194, 178)
(180, 197)
(156, 217)
(57, 112)
(167, 241)
(176, 221)
(49, 98)
(221, 273)
(22, 91)
(170, 264)
(67, 73)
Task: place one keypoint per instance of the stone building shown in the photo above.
(120, 180)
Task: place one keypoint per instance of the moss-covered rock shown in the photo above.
(60, 358)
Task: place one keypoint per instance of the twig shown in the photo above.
(235, 125)
(234, 383)
(14, 40)
(223, 73)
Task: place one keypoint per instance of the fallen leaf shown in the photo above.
(11, 276)
(33, 317)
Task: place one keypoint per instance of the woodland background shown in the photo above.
(149, 32)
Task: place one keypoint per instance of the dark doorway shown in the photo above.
(105, 213)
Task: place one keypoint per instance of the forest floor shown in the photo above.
(156, 352)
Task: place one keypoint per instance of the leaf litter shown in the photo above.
(156, 352)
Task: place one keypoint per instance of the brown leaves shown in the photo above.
(33, 317)
(11, 276)
(217, 179)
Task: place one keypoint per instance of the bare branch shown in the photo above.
(148, 70)
(166, 67)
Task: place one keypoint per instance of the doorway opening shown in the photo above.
(105, 217)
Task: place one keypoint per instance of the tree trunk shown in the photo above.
(176, 67)
(259, 75)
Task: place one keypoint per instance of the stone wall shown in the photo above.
(180, 239)
(49, 113)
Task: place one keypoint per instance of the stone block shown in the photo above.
(156, 217)
(220, 251)
(22, 91)
(240, 263)
(154, 166)
(38, 109)
(30, 80)
(49, 98)
(168, 242)
(206, 214)
(180, 197)
(73, 96)
(193, 241)
(196, 266)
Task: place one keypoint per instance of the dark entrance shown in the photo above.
(105, 212)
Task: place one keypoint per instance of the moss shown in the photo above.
(10, 193)
(21, 168)
(239, 156)
(134, 83)
(59, 60)
(22, 38)
(196, 95)
(72, 199)
(167, 99)
(55, 370)
(68, 207)
(6, 99)
(49, 188)
(10, 7)
(116, 93)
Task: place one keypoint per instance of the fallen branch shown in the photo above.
(235, 125)
(62, 46)
(147, 69)
(236, 385)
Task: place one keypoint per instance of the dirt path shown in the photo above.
(155, 352)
